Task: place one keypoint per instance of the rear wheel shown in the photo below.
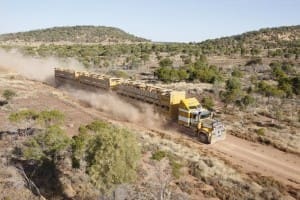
(203, 137)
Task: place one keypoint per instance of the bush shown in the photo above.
(175, 168)
(111, 153)
(8, 94)
(269, 90)
(197, 71)
(158, 155)
(208, 102)
(166, 62)
(51, 117)
(23, 116)
(233, 91)
(260, 131)
(248, 100)
(254, 61)
(203, 72)
(168, 74)
(237, 73)
(79, 146)
(46, 145)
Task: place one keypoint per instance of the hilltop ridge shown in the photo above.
(73, 34)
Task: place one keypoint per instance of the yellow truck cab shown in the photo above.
(193, 115)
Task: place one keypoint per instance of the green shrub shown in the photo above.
(8, 94)
(112, 155)
(175, 168)
(79, 145)
(158, 155)
(50, 117)
(46, 145)
(208, 102)
(237, 73)
(248, 100)
(233, 91)
(199, 70)
(260, 131)
(269, 90)
(45, 118)
(23, 116)
(166, 62)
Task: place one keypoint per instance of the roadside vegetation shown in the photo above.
(108, 155)
(252, 46)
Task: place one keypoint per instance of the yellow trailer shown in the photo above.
(172, 103)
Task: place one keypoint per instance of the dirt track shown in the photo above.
(261, 158)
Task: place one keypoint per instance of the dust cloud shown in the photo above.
(116, 107)
(39, 69)
(42, 69)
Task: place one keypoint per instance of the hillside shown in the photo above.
(255, 42)
(73, 34)
(92, 48)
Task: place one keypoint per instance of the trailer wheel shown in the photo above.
(203, 138)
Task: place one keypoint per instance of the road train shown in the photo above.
(173, 104)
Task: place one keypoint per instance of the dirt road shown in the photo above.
(261, 158)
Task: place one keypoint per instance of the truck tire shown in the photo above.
(203, 138)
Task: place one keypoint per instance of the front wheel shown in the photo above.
(203, 137)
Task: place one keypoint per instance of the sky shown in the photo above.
(157, 20)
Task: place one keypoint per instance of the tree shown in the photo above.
(174, 75)
(233, 91)
(166, 62)
(163, 73)
(285, 85)
(183, 75)
(255, 51)
(111, 155)
(79, 146)
(269, 90)
(278, 73)
(203, 72)
(47, 145)
(145, 57)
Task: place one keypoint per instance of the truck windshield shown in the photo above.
(204, 115)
